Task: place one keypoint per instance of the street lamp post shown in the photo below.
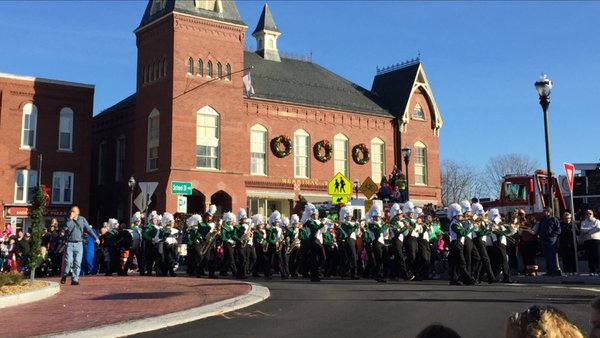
(406, 155)
(356, 185)
(131, 184)
(543, 86)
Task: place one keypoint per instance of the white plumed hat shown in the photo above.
(113, 223)
(137, 217)
(229, 217)
(212, 209)
(418, 212)
(194, 220)
(285, 222)
(257, 219)
(454, 209)
(494, 216)
(309, 210)
(345, 212)
(408, 207)
(294, 219)
(153, 215)
(395, 210)
(242, 213)
(167, 218)
(275, 217)
(477, 209)
(465, 205)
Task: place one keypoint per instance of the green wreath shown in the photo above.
(281, 140)
(324, 144)
(360, 153)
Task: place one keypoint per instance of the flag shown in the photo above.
(249, 90)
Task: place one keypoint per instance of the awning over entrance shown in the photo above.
(271, 194)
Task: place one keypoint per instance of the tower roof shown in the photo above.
(266, 21)
(221, 10)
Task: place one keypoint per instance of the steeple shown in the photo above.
(266, 34)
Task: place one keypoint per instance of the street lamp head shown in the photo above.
(543, 86)
(406, 152)
(131, 182)
(356, 181)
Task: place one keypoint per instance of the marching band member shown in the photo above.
(194, 242)
(249, 249)
(346, 238)
(292, 252)
(168, 236)
(499, 234)
(411, 244)
(305, 244)
(109, 241)
(376, 231)
(273, 233)
(211, 252)
(136, 223)
(330, 247)
(227, 238)
(281, 248)
(399, 230)
(472, 258)
(456, 259)
(310, 221)
(424, 250)
(480, 234)
(260, 244)
(239, 236)
(149, 234)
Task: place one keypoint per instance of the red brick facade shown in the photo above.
(49, 97)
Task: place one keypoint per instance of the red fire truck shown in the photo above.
(527, 192)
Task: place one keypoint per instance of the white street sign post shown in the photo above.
(182, 204)
(570, 172)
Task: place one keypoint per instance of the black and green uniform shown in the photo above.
(411, 245)
(456, 257)
(396, 250)
(347, 247)
(317, 254)
(228, 243)
(169, 252)
(377, 249)
(479, 241)
(238, 234)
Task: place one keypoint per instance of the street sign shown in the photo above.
(337, 199)
(570, 171)
(183, 188)
(368, 205)
(13, 221)
(339, 185)
(148, 188)
(182, 204)
(142, 202)
(368, 187)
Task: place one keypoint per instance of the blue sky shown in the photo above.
(481, 59)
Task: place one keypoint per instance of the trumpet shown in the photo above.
(210, 238)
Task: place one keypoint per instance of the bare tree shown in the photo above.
(459, 182)
(499, 166)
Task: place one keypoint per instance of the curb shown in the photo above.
(257, 294)
(571, 280)
(30, 296)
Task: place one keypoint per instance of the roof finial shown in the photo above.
(418, 55)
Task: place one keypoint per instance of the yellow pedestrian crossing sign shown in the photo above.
(337, 199)
(339, 185)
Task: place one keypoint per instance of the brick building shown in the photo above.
(49, 118)
(191, 119)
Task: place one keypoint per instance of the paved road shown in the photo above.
(338, 308)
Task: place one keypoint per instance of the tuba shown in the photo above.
(211, 238)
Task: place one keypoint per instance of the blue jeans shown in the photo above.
(72, 260)
(549, 251)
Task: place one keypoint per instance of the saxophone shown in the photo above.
(247, 237)
(210, 238)
(265, 243)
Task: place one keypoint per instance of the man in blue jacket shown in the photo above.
(548, 232)
(74, 226)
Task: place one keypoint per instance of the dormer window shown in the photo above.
(418, 113)
(157, 6)
(209, 5)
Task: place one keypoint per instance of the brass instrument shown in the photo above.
(210, 238)
(247, 237)
(295, 244)
(265, 243)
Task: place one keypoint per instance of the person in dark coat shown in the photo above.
(566, 246)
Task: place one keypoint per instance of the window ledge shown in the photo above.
(207, 169)
(27, 148)
(151, 170)
(64, 151)
(264, 175)
(421, 184)
(60, 203)
(418, 119)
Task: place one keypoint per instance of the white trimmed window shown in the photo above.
(219, 70)
(25, 183)
(153, 138)
(301, 154)
(65, 133)
(190, 66)
(377, 158)
(200, 67)
(207, 138)
(420, 151)
(120, 159)
(418, 113)
(227, 72)
(258, 150)
(28, 130)
(340, 154)
(62, 187)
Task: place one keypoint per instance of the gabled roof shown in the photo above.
(266, 21)
(307, 83)
(123, 104)
(229, 12)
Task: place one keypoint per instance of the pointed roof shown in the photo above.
(228, 11)
(266, 21)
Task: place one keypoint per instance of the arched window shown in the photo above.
(160, 69)
(200, 67)
(418, 113)
(65, 130)
(219, 70)
(164, 69)
(301, 154)
(420, 160)
(227, 72)
(145, 75)
(340, 154)
(190, 66)
(156, 70)
(207, 138)
(153, 138)
(209, 70)
(258, 150)
(377, 159)
(28, 129)
(62, 187)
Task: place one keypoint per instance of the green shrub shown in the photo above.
(10, 278)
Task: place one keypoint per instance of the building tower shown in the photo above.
(266, 34)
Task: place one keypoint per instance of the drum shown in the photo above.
(182, 249)
(136, 239)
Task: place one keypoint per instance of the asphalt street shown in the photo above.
(343, 308)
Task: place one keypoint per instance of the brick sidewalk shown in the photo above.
(101, 300)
